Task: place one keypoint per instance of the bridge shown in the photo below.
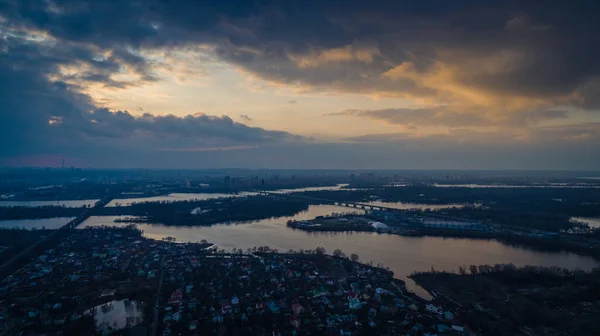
(435, 220)
(355, 205)
(86, 214)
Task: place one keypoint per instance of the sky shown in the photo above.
(328, 84)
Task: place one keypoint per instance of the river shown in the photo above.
(174, 197)
(554, 185)
(403, 255)
(28, 224)
(65, 203)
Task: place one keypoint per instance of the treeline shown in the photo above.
(47, 211)
(15, 240)
(536, 208)
(546, 221)
(218, 211)
(547, 300)
(528, 274)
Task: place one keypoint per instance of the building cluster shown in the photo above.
(86, 269)
(291, 294)
(187, 289)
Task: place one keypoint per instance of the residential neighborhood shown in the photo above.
(113, 281)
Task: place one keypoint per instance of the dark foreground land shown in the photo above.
(76, 287)
(12, 241)
(506, 300)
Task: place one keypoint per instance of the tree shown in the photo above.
(473, 269)
(354, 257)
(203, 241)
(462, 270)
(320, 250)
(338, 253)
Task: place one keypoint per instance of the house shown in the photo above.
(433, 308)
(273, 307)
(227, 308)
(458, 328)
(354, 303)
(295, 321)
(175, 297)
(297, 308)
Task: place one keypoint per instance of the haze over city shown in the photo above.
(310, 84)
(288, 168)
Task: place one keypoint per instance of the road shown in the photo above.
(157, 302)
(27, 253)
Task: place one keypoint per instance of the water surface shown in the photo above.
(66, 203)
(117, 314)
(174, 197)
(593, 222)
(28, 224)
(403, 255)
(409, 206)
(555, 185)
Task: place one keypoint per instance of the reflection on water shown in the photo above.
(591, 221)
(28, 224)
(335, 187)
(117, 315)
(67, 204)
(554, 185)
(403, 255)
(173, 197)
(408, 205)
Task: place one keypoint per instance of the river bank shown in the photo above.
(505, 299)
(403, 254)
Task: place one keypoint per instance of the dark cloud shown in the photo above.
(529, 51)
(494, 63)
(44, 117)
(550, 50)
(245, 117)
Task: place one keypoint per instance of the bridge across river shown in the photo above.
(25, 255)
(355, 205)
(433, 220)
